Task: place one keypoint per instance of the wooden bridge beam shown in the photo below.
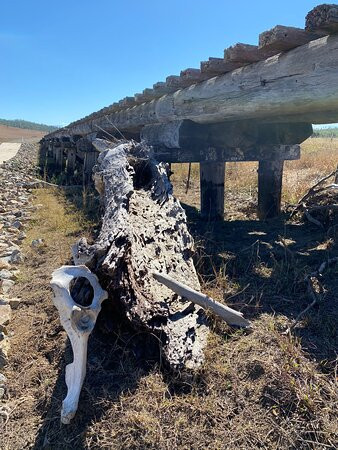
(71, 160)
(300, 85)
(90, 158)
(253, 153)
(214, 144)
(212, 190)
(187, 141)
(270, 175)
(58, 151)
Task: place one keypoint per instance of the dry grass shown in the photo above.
(35, 324)
(259, 390)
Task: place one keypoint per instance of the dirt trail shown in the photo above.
(8, 150)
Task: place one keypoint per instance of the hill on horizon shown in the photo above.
(25, 124)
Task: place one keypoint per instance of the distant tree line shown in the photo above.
(326, 132)
(17, 123)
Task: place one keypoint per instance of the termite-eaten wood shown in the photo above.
(143, 231)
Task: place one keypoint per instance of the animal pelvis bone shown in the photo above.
(78, 321)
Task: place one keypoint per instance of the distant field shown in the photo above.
(11, 134)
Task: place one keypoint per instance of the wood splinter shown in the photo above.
(230, 316)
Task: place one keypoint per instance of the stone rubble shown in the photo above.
(17, 177)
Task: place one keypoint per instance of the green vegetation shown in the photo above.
(18, 123)
(326, 132)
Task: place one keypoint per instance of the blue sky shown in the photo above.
(63, 59)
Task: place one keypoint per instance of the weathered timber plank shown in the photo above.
(59, 158)
(193, 76)
(270, 175)
(151, 93)
(141, 98)
(246, 53)
(115, 106)
(189, 135)
(254, 153)
(218, 66)
(281, 38)
(212, 190)
(84, 145)
(284, 88)
(71, 161)
(176, 82)
(323, 18)
(127, 102)
(161, 88)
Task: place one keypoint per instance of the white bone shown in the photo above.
(228, 314)
(78, 321)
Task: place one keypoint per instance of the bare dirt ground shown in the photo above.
(13, 134)
(8, 150)
(261, 390)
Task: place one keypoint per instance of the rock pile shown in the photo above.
(16, 177)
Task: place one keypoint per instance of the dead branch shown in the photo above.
(315, 289)
(108, 134)
(228, 314)
(334, 207)
(313, 191)
(312, 219)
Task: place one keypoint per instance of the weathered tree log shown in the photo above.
(144, 231)
(288, 87)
